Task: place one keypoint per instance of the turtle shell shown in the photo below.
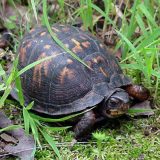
(62, 85)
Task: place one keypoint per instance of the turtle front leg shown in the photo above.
(138, 92)
(85, 125)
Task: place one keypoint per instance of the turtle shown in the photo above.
(64, 86)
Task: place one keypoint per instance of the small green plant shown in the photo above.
(36, 128)
(6, 82)
(100, 138)
(141, 51)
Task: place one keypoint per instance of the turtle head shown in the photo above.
(117, 104)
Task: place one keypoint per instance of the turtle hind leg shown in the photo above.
(85, 125)
(138, 92)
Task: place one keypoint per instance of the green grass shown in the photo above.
(130, 140)
(138, 37)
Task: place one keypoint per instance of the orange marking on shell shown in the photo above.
(22, 54)
(95, 60)
(98, 59)
(76, 42)
(101, 45)
(86, 44)
(103, 72)
(66, 73)
(47, 46)
(78, 47)
(32, 30)
(69, 61)
(37, 73)
(43, 33)
(29, 44)
(55, 29)
(89, 63)
(65, 29)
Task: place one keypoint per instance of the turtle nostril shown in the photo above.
(125, 107)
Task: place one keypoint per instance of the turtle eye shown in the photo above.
(113, 102)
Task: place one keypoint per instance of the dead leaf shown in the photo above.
(24, 149)
(8, 138)
(26, 145)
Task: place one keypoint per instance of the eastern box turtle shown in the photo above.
(62, 85)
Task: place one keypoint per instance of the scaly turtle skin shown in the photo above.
(62, 85)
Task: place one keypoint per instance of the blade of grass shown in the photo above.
(51, 142)
(140, 23)
(131, 46)
(86, 14)
(2, 72)
(61, 3)
(138, 110)
(132, 26)
(20, 92)
(148, 15)
(104, 15)
(11, 127)
(61, 12)
(107, 5)
(34, 9)
(2, 87)
(133, 66)
(154, 35)
(35, 131)
(29, 107)
(128, 32)
(26, 118)
(56, 128)
(5, 95)
(58, 119)
(149, 61)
